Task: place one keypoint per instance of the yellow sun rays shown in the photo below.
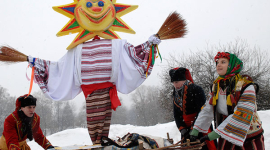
(73, 26)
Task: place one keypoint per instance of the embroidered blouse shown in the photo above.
(242, 124)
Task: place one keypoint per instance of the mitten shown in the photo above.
(153, 39)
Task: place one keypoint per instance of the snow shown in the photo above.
(79, 136)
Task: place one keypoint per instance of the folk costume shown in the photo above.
(100, 67)
(187, 102)
(233, 106)
(18, 127)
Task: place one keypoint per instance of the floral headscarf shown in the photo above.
(232, 75)
(235, 64)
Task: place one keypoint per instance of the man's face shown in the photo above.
(178, 84)
(29, 110)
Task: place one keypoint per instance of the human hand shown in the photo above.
(185, 133)
(194, 135)
(51, 148)
(204, 138)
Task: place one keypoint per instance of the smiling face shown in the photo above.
(222, 66)
(95, 15)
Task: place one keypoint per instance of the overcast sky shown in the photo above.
(31, 26)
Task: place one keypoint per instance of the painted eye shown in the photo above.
(88, 4)
(100, 4)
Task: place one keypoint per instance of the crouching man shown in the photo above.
(23, 124)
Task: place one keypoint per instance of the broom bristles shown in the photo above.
(173, 27)
(11, 55)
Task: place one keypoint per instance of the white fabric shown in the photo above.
(65, 81)
(30, 60)
(62, 71)
(233, 138)
(153, 39)
(222, 102)
(204, 118)
(126, 77)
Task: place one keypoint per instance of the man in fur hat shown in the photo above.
(23, 124)
(188, 98)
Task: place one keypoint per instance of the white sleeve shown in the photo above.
(64, 81)
(204, 118)
(124, 73)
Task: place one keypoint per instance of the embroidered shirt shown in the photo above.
(236, 127)
(98, 61)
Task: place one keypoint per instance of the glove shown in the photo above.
(153, 39)
(185, 133)
(194, 135)
(213, 135)
(50, 148)
(210, 136)
(204, 138)
(31, 60)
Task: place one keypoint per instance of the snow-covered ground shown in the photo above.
(79, 136)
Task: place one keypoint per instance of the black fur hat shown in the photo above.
(25, 100)
(178, 74)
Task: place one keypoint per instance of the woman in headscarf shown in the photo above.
(232, 104)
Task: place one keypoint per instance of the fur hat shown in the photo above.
(180, 74)
(25, 100)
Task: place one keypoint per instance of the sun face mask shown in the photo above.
(94, 17)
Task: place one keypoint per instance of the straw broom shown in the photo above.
(173, 27)
(11, 55)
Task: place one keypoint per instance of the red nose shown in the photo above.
(96, 9)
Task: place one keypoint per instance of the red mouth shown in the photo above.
(98, 18)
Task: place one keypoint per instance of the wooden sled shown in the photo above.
(178, 146)
(80, 147)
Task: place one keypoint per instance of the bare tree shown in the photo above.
(146, 106)
(120, 115)
(80, 117)
(202, 67)
(45, 111)
(7, 106)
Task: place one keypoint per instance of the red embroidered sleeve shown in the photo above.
(10, 133)
(38, 134)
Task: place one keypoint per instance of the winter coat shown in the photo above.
(193, 98)
(13, 133)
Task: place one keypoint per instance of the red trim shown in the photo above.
(62, 8)
(66, 28)
(188, 119)
(125, 27)
(200, 128)
(230, 136)
(188, 75)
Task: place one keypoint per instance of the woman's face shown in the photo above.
(222, 66)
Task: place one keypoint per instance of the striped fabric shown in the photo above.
(256, 143)
(96, 62)
(140, 55)
(98, 110)
(238, 126)
(41, 73)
